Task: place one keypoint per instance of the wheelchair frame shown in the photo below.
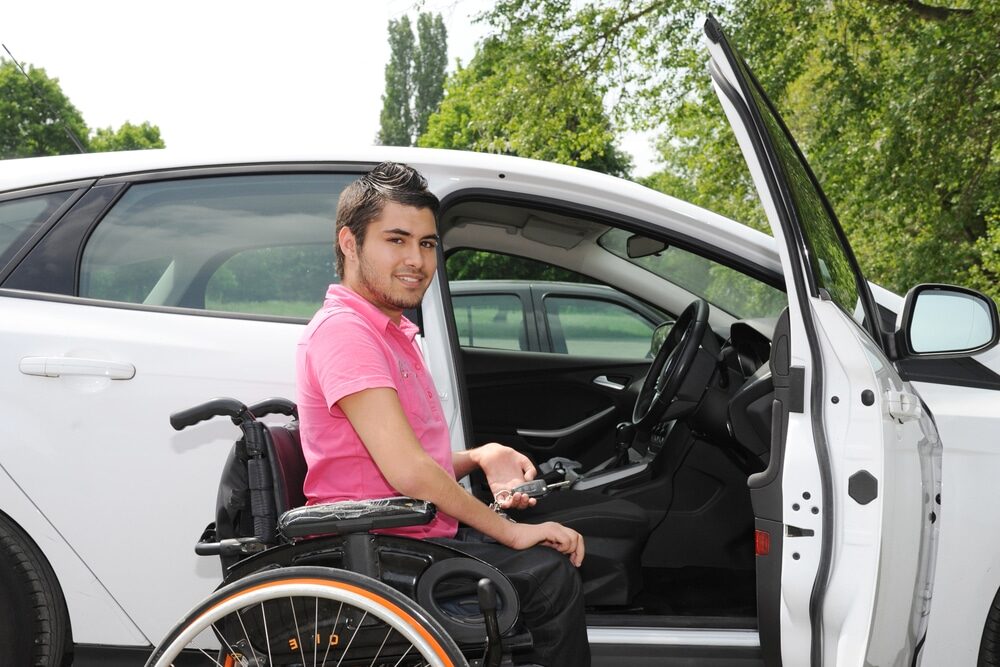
(272, 546)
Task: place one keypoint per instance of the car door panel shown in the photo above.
(854, 563)
(549, 404)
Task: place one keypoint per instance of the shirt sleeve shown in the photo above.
(344, 356)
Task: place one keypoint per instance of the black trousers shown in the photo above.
(551, 596)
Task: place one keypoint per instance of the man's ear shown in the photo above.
(348, 243)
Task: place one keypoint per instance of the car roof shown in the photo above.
(30, 172)
(447, 171)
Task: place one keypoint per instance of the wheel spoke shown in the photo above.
(382, 646)
(267, 638)
(229, 646)
(298, 634)
(367, 628)
(335, 622)
(403, 657)
(356, 631)
(246, 635)
(205, 653)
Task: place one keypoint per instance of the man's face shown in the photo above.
(395, 265)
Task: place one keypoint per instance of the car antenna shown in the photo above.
(69, 132)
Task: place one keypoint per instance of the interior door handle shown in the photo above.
(54, 367)
(569, 430)
(603, 381)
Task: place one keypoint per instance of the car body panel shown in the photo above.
(96, 614)
(124, 477)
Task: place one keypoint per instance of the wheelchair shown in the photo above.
(316, 585)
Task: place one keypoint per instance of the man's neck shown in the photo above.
(394, 314)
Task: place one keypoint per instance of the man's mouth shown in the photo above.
(411, 279)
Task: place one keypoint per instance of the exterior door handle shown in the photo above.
(54, 367)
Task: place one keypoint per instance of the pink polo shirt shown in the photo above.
(349, 346)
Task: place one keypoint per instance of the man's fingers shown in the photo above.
(518, 501)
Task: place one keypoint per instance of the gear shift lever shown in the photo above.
(624, 435)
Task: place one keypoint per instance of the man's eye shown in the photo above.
(397, 241)
(429, 244)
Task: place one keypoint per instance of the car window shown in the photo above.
(253, 244)
(597, 328)
(726, 288)
(19, 218)
(493, 321)
(829, 257)
(257, 281)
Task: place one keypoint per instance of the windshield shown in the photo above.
(732, 291)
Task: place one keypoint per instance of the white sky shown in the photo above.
(225, 73)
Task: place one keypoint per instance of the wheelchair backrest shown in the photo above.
(262, 479)
(288, 466)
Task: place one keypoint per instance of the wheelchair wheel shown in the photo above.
(298, 616)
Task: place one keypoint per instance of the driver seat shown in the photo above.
(614, 531)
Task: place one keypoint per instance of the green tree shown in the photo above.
(430, 60)
(35, 115)
(519, 97)
(128, 137)
(36, 118)
(414, 77)
(896, 103)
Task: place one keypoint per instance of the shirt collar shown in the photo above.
(338, 295)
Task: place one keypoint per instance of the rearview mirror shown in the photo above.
(943, 319)
(640, 246)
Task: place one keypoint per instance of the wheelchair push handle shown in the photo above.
(217, 407)
(235, 410)
(275, 406)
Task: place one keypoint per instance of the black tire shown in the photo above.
(989, 647)
(34, 622)
(269, 618)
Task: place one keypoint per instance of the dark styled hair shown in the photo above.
(362, 201)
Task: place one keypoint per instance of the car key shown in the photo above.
(537, 488)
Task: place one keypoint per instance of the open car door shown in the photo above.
(845, 512)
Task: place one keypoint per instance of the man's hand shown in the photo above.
(550, 534)
(505, 468)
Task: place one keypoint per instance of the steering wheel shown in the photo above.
(670, 366)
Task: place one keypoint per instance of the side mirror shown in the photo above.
(943, 319)
(659, 335)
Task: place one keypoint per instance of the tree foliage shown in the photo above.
(128, 137)
(518, 97)
(36, 118)
(35, 115)
(414, 78)
(896, 103)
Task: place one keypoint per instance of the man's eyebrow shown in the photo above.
(403, 232)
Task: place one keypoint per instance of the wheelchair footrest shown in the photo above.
(354, 516)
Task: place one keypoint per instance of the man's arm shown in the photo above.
(379, 421)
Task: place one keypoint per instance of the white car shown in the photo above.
(803, 508)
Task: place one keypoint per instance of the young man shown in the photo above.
(372, 425)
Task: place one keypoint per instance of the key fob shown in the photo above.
(533, 489)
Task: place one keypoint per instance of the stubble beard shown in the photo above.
(380, 288)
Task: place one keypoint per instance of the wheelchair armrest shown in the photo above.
(354, 516)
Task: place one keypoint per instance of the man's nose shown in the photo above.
(414, 257)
